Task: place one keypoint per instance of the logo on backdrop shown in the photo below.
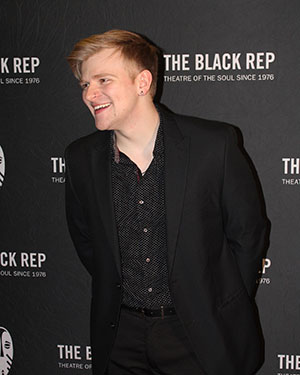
(291, 171)
(58, 169)
(264, 279)
(288, 362)
(2, 166)
(218, 67)
(19, 70)
(6, 351)
(22, 264)
(74, 357)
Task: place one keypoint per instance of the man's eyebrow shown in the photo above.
(103, 75)
(98, 76)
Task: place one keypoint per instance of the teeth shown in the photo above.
(101, 106)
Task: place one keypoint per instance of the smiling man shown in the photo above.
(165, 215)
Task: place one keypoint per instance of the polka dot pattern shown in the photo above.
(140, 215)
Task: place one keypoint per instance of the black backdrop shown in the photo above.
(235, 61)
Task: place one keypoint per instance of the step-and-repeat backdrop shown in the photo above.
(236, 61)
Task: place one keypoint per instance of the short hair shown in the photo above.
(133, 47)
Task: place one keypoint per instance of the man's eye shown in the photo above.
(104, 80)
(84, 86)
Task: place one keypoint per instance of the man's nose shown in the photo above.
(92, 92)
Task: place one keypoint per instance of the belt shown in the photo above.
(156, 313)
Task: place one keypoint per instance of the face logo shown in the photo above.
(2, 169)
(6, 351)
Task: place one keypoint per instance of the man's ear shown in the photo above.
(144, 80)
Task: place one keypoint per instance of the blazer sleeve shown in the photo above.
(76, 220)
(244, 222)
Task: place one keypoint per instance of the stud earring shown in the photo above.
(141, 93)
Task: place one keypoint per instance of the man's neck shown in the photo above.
(138, 141)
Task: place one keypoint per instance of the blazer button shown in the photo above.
(118, 285)
(112, 325)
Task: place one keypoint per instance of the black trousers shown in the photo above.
(152, 346)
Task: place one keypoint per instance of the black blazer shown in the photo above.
(216, 234)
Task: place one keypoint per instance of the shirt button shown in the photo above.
(147, 260)
(145, 230)
(149, 290)
(141, 201)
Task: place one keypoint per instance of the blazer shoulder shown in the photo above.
(190, 125)
(86, 143)
(206, 132)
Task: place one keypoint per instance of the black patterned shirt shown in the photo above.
(140, 215)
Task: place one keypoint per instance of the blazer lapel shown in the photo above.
(101, 172)
(176, 166)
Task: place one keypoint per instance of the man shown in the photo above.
(164, 213)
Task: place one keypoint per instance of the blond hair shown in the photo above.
(133, 47)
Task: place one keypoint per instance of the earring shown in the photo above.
(141, 93)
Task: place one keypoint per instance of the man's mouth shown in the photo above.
(100, 107)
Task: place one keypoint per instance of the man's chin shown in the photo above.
(101, 126)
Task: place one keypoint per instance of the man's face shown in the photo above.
(110, 90)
